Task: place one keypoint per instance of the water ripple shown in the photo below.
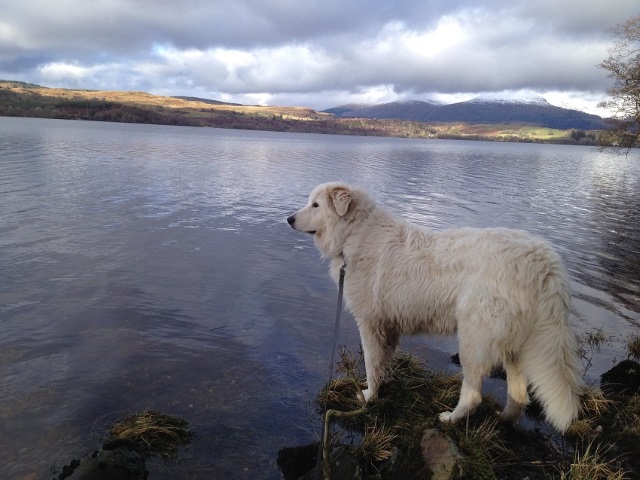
(146, 266)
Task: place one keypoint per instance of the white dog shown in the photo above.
(504, 292)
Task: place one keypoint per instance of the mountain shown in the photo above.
(408, 110)
(480, 110)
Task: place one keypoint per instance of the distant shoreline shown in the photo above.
(19, 99)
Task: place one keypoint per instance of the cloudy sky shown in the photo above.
(317, 53)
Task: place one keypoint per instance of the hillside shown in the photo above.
(18, 99)
(22, 95)
(412, 111)
(535, 111)
(207, 101)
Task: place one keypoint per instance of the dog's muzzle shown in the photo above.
(292, 220)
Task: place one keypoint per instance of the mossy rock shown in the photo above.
(129, 444)
(622, 379)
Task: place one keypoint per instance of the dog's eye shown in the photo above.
(315, 205)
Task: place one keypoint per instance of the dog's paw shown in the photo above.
(445, 417)
(367, 394)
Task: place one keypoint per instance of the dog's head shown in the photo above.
(331, 209)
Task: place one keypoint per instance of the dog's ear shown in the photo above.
(341, 198)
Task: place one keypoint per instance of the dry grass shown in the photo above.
(488, 437)
(628, 419)
(377, 443)
(447, 390)
(595, 404)
(589, 342)
(594, 339)
(341, 395)
(592, 465)
(151, 433)
(633, 347)
(582, 428)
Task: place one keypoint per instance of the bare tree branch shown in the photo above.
(623, 66)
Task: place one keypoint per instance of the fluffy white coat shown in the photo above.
(503, 291)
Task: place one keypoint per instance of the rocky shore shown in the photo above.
(399, 436)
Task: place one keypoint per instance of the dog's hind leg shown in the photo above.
(470, 398)
(378, 347)
(517, 396)
(475, 364)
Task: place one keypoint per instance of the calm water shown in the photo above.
(152, 267)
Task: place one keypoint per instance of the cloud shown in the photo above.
(289, 51)
(453, 57)
(57, 71)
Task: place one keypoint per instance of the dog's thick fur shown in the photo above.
(504, 291)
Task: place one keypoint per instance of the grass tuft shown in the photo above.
(633, 347)
(377, 443)
(151, 433)
(595, 404)
(591, 464)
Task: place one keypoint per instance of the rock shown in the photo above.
(441, 455)
(129, 444)
(623, 379)
(343, 466)
(295, 462)
(116, 464)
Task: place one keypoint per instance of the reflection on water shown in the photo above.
(151, 267)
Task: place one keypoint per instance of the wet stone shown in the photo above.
(623, 379)
(118, 464)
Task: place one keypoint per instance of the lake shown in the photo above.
(151, 267)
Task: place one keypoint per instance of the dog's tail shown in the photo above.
(550, 357)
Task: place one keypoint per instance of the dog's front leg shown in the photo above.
(378, 346)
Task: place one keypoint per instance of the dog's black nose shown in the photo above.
(291, 220)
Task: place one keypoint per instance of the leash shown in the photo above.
(319, 470)
(337, 324)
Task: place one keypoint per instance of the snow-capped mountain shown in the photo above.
(527, 99)
(532, 109)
